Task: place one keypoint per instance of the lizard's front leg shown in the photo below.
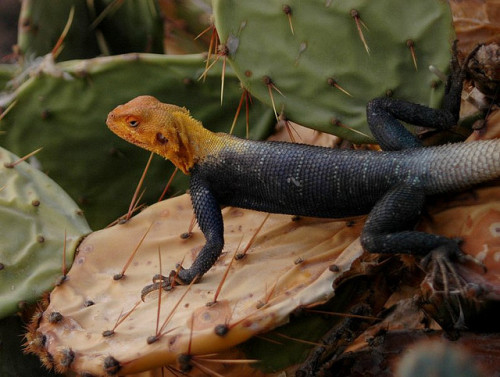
(209, 217)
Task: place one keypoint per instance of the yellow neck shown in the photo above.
(167, 130)
(188, 141)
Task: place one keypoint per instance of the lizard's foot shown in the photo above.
(440, 262)
(180, 276)
(449, 292)
(158, 280)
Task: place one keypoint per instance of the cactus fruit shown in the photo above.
(106, 328)
(38, 220)
(62, 107)
(319, 62)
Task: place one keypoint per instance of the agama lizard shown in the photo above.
(297, 179)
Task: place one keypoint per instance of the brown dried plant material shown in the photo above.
(475, 217)
(490, 129)
(286, 267)
(475, 21)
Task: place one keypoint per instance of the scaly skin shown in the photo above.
(304, 180)
(315, 181)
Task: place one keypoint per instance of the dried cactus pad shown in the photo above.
(321, 61)
(35, 215)
(95, 324)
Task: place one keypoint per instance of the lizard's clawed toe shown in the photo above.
(450, 292)
(440, 265)
(158, 280)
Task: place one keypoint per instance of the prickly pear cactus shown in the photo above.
(97, 323)
(319, 62)
(38, 220)
(63, 107)
(7, 73)
(94, 28)
(117, 18)
(185, 21)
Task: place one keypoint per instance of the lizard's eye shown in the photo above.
(132, 121)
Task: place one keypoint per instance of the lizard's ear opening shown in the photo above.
(161, 138)
(132, 121)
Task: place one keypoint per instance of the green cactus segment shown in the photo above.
(132, 26)
(41, 23)
(63, 108)
(197, 15)
(7, 72)
(313, 54)
(35, 213)
(185, 21)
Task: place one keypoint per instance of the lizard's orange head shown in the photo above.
(144, 121)
(161, 128)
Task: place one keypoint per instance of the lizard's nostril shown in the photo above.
(110, 118)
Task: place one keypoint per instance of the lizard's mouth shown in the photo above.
(131, 138)
(127, 135)
(122, 132)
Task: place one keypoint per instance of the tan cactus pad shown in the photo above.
(287, 266)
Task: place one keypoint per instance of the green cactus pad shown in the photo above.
(185, 21)
(307, 52)
(63, 108)
(35, 214)
(42, 22)
(7, 73)
(131, 26)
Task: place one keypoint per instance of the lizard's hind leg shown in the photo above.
(390, 224)
(384, 114)
(390, 229)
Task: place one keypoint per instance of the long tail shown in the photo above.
(454, 167)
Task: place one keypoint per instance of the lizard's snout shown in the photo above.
(110, 119)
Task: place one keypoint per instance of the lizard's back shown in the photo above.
(305, 180)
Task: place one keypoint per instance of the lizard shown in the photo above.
(391, 185)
